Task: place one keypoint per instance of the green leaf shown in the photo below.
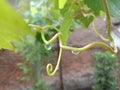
(84, 21)
(95, 6)
(65, 26)
(12, 26)
(114, 8)
(55, 14)
(62, 3)
(68, 7)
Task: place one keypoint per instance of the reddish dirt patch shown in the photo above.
(9, 71)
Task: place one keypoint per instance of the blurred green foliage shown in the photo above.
(32, 48)
(40, 85)
(106, 67)
(35, 56)
(36, 12)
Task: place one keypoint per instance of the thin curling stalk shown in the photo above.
(96, 31)
(51, 40)
(49, 68)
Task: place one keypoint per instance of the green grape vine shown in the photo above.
(70, 15)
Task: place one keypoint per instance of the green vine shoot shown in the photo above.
(63, 37)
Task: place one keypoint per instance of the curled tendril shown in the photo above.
(49, 67)
(50, 70)
(109, 24)
(44, 27)
(52, 39)
(108, 30)
(42, 33)
(89, 46)
(36, 26)
(96, 31)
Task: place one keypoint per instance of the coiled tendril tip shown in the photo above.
(49, 68)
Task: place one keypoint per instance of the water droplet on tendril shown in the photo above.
(111, 44)
(75, 52)
(48, 46)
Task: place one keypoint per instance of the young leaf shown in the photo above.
(84, 21)
(65, 26)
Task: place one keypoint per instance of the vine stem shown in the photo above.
(44, 27)
(51, 40)
(108, 19)
(109, 24)
(96, 31)
(91, 45)
(60, 67)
